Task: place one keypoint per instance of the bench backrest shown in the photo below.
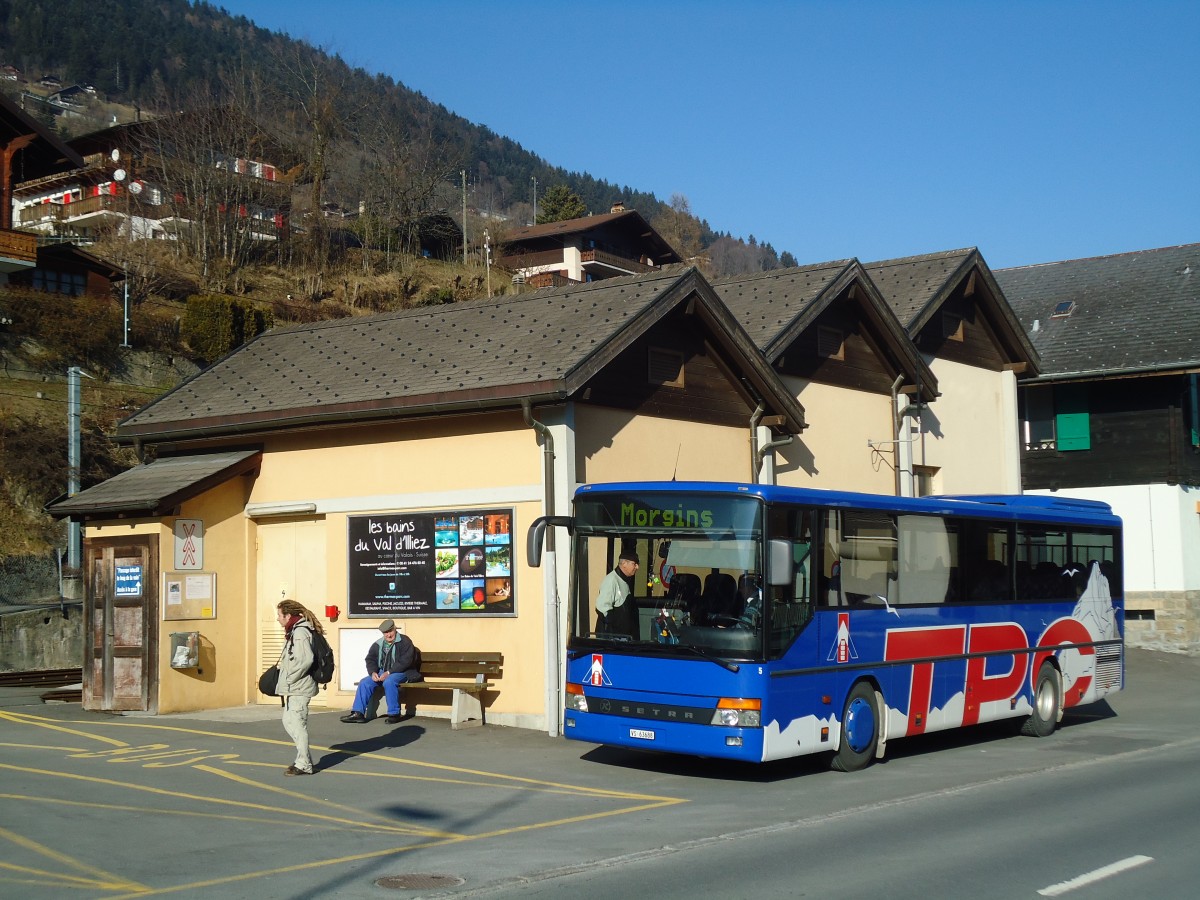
(460, 664)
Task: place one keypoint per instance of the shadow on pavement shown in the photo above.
(391, 738)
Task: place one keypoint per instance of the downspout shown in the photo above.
(896, 428)
(771, 445)
(550, 575)
(754, 458)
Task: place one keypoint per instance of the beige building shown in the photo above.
(839, 348)
(388, 467)
(967, 442)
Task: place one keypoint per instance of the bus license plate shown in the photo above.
(641, 734)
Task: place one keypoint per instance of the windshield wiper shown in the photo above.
(706, 654)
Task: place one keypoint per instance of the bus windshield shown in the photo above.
(661, 571)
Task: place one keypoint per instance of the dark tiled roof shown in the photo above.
(569, 226)
(776, 307)
(629, 221)
(766, 303)
(542, 346)
(156, 488)
(911, 283)
(1133, 311)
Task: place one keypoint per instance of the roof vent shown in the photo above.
(1064, 309)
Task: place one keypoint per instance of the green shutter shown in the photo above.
(1073, 425)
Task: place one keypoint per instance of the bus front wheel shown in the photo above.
(1047, 701)
(860, 730)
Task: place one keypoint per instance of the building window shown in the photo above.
(1057, 418)
(831, 343)
(665, 367)
(52, 282)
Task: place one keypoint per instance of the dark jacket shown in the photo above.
(400, 657)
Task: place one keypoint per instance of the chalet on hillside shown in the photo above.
(131, 181)
(1114, 414)
(67, 269)
(620, 242)
(27, 150)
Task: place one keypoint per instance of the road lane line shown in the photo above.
(1065, 887)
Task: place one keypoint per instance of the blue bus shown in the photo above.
(757, 622)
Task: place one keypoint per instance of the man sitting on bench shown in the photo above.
(389, 662)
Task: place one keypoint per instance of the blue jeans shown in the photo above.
(391, 690)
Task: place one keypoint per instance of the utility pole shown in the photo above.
(487, 258)
(74, 531)
(463, 172)
(533, 178)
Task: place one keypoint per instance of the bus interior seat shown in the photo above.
(720, 595)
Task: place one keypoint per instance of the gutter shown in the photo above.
(549, 577)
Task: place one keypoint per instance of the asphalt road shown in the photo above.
(93, 805)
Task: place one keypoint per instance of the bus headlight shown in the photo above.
(738, 712)
(575, 698)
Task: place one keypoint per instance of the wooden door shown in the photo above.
(121, 624)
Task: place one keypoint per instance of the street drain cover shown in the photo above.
(418, 881)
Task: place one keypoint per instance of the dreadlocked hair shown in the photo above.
(292, 608)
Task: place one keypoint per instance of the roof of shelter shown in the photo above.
(1126, 312)
(157, 488)
(540, 346)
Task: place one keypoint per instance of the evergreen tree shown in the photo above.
(559, 204)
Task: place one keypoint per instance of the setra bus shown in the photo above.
(765, 622)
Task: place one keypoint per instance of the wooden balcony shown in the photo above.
(599, 261)
(18, 250)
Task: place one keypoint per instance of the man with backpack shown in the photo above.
(391, 661)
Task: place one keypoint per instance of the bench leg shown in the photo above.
(465, 710)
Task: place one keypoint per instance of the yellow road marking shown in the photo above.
(111, 882)
(466, 777)
(353, 811)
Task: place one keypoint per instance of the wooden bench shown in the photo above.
(464, 673)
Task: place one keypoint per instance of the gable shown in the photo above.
(838, 348)
(672, 371)
(959, 330)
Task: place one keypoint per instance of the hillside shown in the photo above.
(367, 160)
(173, 54)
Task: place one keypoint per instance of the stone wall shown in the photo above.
(28, 580)
(39, 638)
(1163, 620)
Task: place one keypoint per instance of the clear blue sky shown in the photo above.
(1036, 131)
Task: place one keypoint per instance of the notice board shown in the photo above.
(189, 595)
(431, 564)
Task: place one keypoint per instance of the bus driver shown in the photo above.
(616, 610)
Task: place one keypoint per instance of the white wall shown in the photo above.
(1162, 533)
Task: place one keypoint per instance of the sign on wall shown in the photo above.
(189, 544)
(429, 564)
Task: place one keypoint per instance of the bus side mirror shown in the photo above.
(536, 534)
(779, 562)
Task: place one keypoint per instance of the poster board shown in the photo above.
(189, 595)
(431, 564)
(353, 644)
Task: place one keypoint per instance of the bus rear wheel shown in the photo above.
(1047, 701)
(860, 730)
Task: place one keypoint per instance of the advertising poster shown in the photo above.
(431, 564)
